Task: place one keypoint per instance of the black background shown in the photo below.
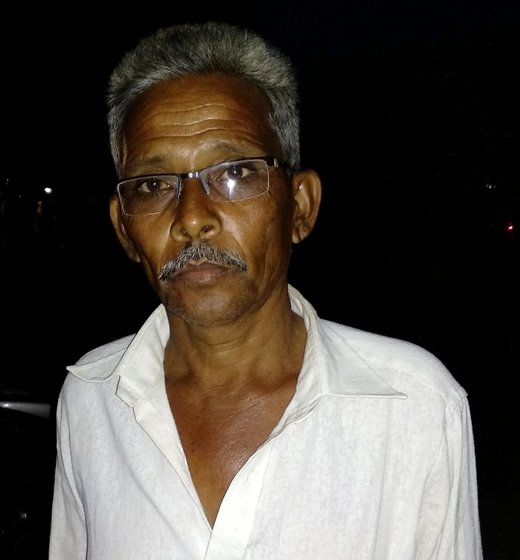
(410, 113)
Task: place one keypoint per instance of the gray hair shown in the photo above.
(203, 48)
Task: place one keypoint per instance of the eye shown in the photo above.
(151, 185)
(237, 171)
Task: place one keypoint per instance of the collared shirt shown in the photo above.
(372, 459)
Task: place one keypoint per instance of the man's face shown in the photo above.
(186, 125)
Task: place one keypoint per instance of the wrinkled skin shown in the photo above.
(185, 125)
(236, 348)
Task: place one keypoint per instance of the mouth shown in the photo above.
(201, 271)
(202, 261)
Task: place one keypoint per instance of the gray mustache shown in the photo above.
(202, 251)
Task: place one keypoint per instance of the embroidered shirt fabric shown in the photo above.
(373, 459)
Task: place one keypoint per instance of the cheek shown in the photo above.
(278, 220)
(151, 241)
(264, 234)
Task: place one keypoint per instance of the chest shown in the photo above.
(218, 437)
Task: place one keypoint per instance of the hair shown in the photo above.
(204, 48)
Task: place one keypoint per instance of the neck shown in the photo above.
(264, 349)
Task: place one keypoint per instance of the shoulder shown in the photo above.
(115, 347)
(99, 363)
(404, 365)
(92, 376)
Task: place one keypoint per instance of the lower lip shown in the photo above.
(202, 274)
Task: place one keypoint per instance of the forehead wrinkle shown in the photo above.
(203, 92)
(195, 131)
(206, 111)
(224, 123)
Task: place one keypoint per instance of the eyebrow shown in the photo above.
(149, 165)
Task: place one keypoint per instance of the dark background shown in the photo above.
(410, 113)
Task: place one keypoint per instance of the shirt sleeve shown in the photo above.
(68, 539)
(450, 527)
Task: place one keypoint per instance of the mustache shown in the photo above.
(199, 252)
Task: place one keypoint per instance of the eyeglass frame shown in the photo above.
(271, 161)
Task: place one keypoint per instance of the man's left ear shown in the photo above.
(307, 196)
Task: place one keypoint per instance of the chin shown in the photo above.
(207, 308)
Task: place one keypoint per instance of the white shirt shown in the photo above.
(372, 459)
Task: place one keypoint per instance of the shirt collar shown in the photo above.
(330, 367)
(142, 365)
(332, 360)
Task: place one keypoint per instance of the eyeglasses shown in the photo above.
(228, 181)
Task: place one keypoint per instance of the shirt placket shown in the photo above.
(234, 522)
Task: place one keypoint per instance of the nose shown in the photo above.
(195, 218)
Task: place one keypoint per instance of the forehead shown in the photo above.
(189, 114)
(205, 87)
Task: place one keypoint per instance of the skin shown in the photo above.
(236, 348)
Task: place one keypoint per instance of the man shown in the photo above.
(237, 424)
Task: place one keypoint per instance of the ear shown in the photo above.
(307, 196)
(120, 229)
